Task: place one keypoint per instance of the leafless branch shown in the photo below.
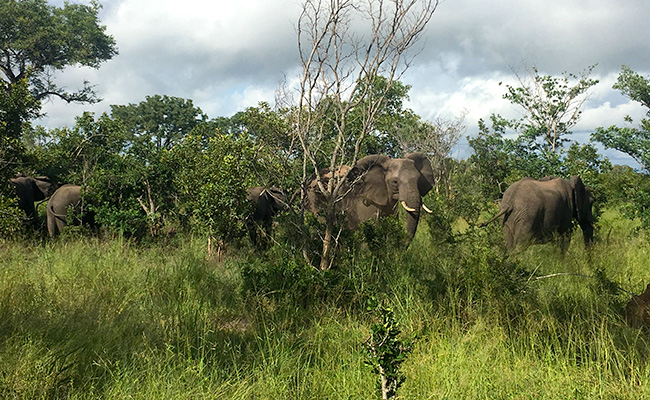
(344, 47)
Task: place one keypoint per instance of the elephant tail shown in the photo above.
(488, 222)
(61, 217)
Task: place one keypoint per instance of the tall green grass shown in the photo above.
(108, 319)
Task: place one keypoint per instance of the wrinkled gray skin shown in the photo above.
(66, 197)
(377, 185)
(537, 211)
(30, 190)
(266, 204)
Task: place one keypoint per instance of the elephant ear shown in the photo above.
(44, 186)
(422, 163)
(581, 199)
(371, 170)
(253, 193)
(279, 199)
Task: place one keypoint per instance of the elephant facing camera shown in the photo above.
(378, 186)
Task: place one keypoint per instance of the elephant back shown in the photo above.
(315, 199)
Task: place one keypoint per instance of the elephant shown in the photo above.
(31, 189)
(65, 197)
(535, 211)
(637, 310)
(376, 184)
(266, 204)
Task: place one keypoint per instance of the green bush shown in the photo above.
(212, 181)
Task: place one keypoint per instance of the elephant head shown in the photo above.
(266, 204)
(582, 203)
(31, 189)
(380, 183)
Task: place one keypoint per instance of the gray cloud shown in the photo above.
(556, 35)
(226, 56)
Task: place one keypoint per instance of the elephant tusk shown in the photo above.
(407, 208)
(426, 209)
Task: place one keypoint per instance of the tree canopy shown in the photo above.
(37, 38)
(631, 140)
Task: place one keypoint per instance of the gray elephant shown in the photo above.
(65, 199)
(376, 185)
(31, 189)
(536, 211)
(266, 204)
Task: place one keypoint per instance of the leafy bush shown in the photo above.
(212, 180)
(386, 351)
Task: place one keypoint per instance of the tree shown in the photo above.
(276, 149)
(73, 154)
(158, 122)
(493, 157)
(37, 39)
(551, 106)
(344, 46)
(633, 141)
(211, 194)
(17, 105)
(634, 86)
(436, 139)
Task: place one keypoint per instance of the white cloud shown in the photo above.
(227, 55)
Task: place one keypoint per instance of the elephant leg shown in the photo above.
(51, 225)
(509, 238)
(259, 234)
(252, 233)
(518, 234)
(60, 224)
(564, 240)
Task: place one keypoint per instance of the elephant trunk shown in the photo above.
(413, 205)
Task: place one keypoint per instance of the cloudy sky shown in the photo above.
(228, 55)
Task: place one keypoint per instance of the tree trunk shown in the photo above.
(326, 255)
(384, 384)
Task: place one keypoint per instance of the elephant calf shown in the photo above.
(534, 211)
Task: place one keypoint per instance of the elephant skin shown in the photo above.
(637, 310)
(376, 185)
(65, 198)
(31, 189)
(536, 211)
(266, 204)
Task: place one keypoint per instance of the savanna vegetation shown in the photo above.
(166, 297)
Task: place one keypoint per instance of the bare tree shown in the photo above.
(345, 46)
(436, 139)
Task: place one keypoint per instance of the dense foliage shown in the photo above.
(37, 38)
(143, 308)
